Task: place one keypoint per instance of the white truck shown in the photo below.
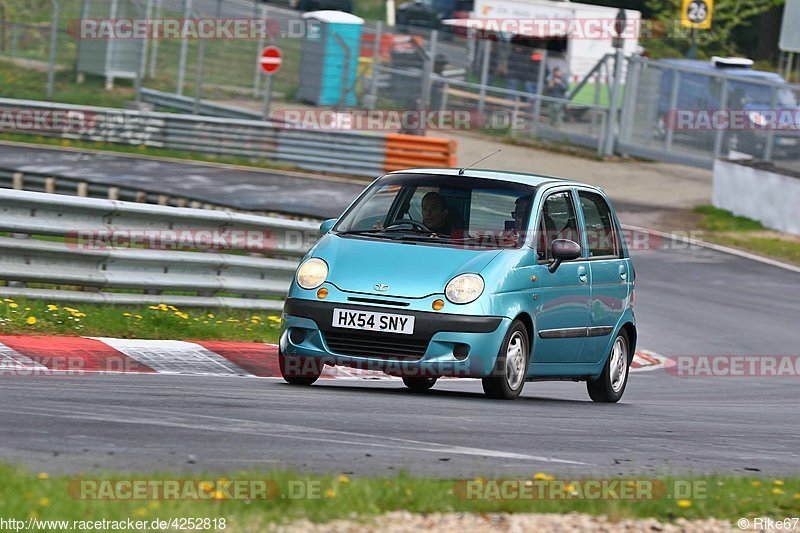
(577, 36)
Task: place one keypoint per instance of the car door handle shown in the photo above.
(582, 275)
(623, 273)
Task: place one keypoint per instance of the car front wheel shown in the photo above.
(299, 370)
(511, 367)
(610, 386)
(419, 384)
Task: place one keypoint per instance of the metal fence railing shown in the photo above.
(694, 116)
(119, 252)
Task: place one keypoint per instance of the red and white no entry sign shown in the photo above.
(270, 59)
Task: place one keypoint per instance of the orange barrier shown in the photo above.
(411, 151)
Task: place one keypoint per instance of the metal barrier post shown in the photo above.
(140, 73)
(537, 106)
(768, 144)
(260, 46)
(613, 107)
(198, 81)
(673, 102)
(187, 11)
(51, 62)
(425, 97)
(487, 51)
(723, 105)
(376, 59)
(154, 47)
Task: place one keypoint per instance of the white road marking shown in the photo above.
(717, 247)
(175, 357)
(10, 359)
(266, 429)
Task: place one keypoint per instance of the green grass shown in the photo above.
(30, 84)
(723, 227)
(24, 494)
(37, 317)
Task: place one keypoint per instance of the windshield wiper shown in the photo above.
(417, 231)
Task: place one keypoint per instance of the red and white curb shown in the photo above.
(76, 355)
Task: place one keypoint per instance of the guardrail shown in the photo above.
(11, 178)
(122, 252)
(344, 152)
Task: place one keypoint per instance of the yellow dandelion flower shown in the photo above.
(51, 307)
(138, 316)
(778, 482)
(13, 305)
(344, 479)
(141, 511)
(27, 308)
(44, 502)
(330, 493)
(255, 317)
(543, 477)
(210, 315)
(218, 495)
(43, 475)
(31, 320)
(153, 307)
(172, 308)
(206, 487)
(126, 314)
(154, 504)
(409, 492)
(756, 483)
(776, 490)
(7, 300)
(797, 496)
(684, 503)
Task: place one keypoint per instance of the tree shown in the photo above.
(728, 16)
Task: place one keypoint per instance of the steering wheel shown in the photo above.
(413, 223)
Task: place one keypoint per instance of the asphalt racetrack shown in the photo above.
(237, 187)
(689, 301)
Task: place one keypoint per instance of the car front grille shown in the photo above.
(376, 345)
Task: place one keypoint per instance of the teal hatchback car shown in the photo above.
(501, 276)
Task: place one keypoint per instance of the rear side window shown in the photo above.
(601, 233)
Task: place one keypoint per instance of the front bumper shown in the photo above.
(443, 344)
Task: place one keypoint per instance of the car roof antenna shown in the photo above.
(461, 170)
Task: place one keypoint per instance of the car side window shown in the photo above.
(558, 221)
(601, 234)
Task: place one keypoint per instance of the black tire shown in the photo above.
(300, 370)
(419, 384)
(607, 388)
(503, 384)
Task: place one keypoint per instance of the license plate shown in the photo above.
(367, 320)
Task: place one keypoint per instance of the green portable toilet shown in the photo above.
(329, 65)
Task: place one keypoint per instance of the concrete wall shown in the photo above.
(771, 198)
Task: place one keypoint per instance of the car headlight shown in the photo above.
(312, 273)
(464, 288)
(757, 118)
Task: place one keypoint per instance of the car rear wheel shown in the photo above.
(511, 367)
(610, 386)
(299, 370)
(419, 384)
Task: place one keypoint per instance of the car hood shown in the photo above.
(410, 270)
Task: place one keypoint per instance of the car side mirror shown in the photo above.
(326, 226)
(563, 250)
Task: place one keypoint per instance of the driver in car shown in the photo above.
(435, 212)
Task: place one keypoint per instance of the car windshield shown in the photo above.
(762, 95)
(441, 210)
